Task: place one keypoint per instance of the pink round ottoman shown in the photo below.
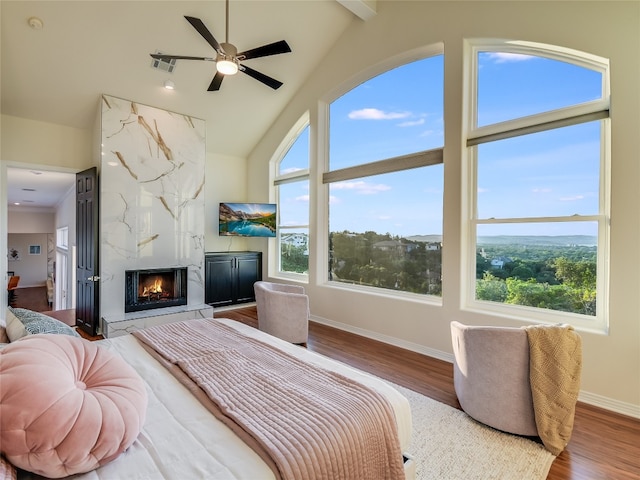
(67, 405)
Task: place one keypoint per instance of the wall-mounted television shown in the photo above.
(247, 219)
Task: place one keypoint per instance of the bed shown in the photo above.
(181, 438)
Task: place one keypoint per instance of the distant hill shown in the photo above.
(425, 238)
(558, 240)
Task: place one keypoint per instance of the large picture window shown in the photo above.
(538, 181)
(385, 181)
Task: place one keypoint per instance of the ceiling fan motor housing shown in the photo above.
(230, 50)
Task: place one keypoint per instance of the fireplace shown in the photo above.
(155, 288)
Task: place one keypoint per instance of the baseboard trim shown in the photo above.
(610, 404)
(396, 342)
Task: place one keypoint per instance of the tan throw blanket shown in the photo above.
(314, 423)
(555, 365)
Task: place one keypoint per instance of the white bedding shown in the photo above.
(182, 440)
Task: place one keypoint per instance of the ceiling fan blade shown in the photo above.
(261, 77)
(160, 56)
(275, 48)
(216, 82)
(204, 31)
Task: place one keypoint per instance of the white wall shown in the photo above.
(225, 182)
(30, 227)
(30, 221)
(30, 141)
(611, 370)
(32, 269)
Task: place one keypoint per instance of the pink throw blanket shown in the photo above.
(314, 423)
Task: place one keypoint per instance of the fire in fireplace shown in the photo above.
(155, 288)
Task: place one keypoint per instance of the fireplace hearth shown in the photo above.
(155, 288)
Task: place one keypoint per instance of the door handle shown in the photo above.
(93, 278)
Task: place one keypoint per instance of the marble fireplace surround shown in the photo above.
(151, 205)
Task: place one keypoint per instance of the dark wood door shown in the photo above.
(88, 291)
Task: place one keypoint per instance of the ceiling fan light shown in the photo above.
(227, 67)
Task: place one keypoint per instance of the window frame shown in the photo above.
(280, 179)
(474, 136)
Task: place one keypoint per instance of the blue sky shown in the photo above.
(401, 112)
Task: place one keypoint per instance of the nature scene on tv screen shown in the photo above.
(248, 219)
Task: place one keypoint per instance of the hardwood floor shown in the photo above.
(33, 298)
(604, 445)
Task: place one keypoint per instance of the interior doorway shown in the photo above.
(37, 200)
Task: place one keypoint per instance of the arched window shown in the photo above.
(385, 178)
(291, 183)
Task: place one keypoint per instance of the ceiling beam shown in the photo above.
(365, 9)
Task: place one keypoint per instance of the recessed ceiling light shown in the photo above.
(16, 203)
(169, 85)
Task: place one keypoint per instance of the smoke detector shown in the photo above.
(35, 23)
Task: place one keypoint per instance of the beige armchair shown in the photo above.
(519, 380)
(283, 311)
(491, 376)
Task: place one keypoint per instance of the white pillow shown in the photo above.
(15, 328)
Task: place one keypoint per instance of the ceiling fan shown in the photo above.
(227, 57)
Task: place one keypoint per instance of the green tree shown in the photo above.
(294, 259)
(580, 274)
(491, 289)
(539, 295)
(483, 265)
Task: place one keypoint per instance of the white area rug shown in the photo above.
(447, 444)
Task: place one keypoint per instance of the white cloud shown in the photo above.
(375, 114)
(572, 198)
(482, 190)
(361, 187)
(303, 198)
(503, 57)
(411, 123)
(541, 190)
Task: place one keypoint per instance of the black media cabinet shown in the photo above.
(229, 277)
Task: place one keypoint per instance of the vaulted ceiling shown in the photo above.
(57, 73)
